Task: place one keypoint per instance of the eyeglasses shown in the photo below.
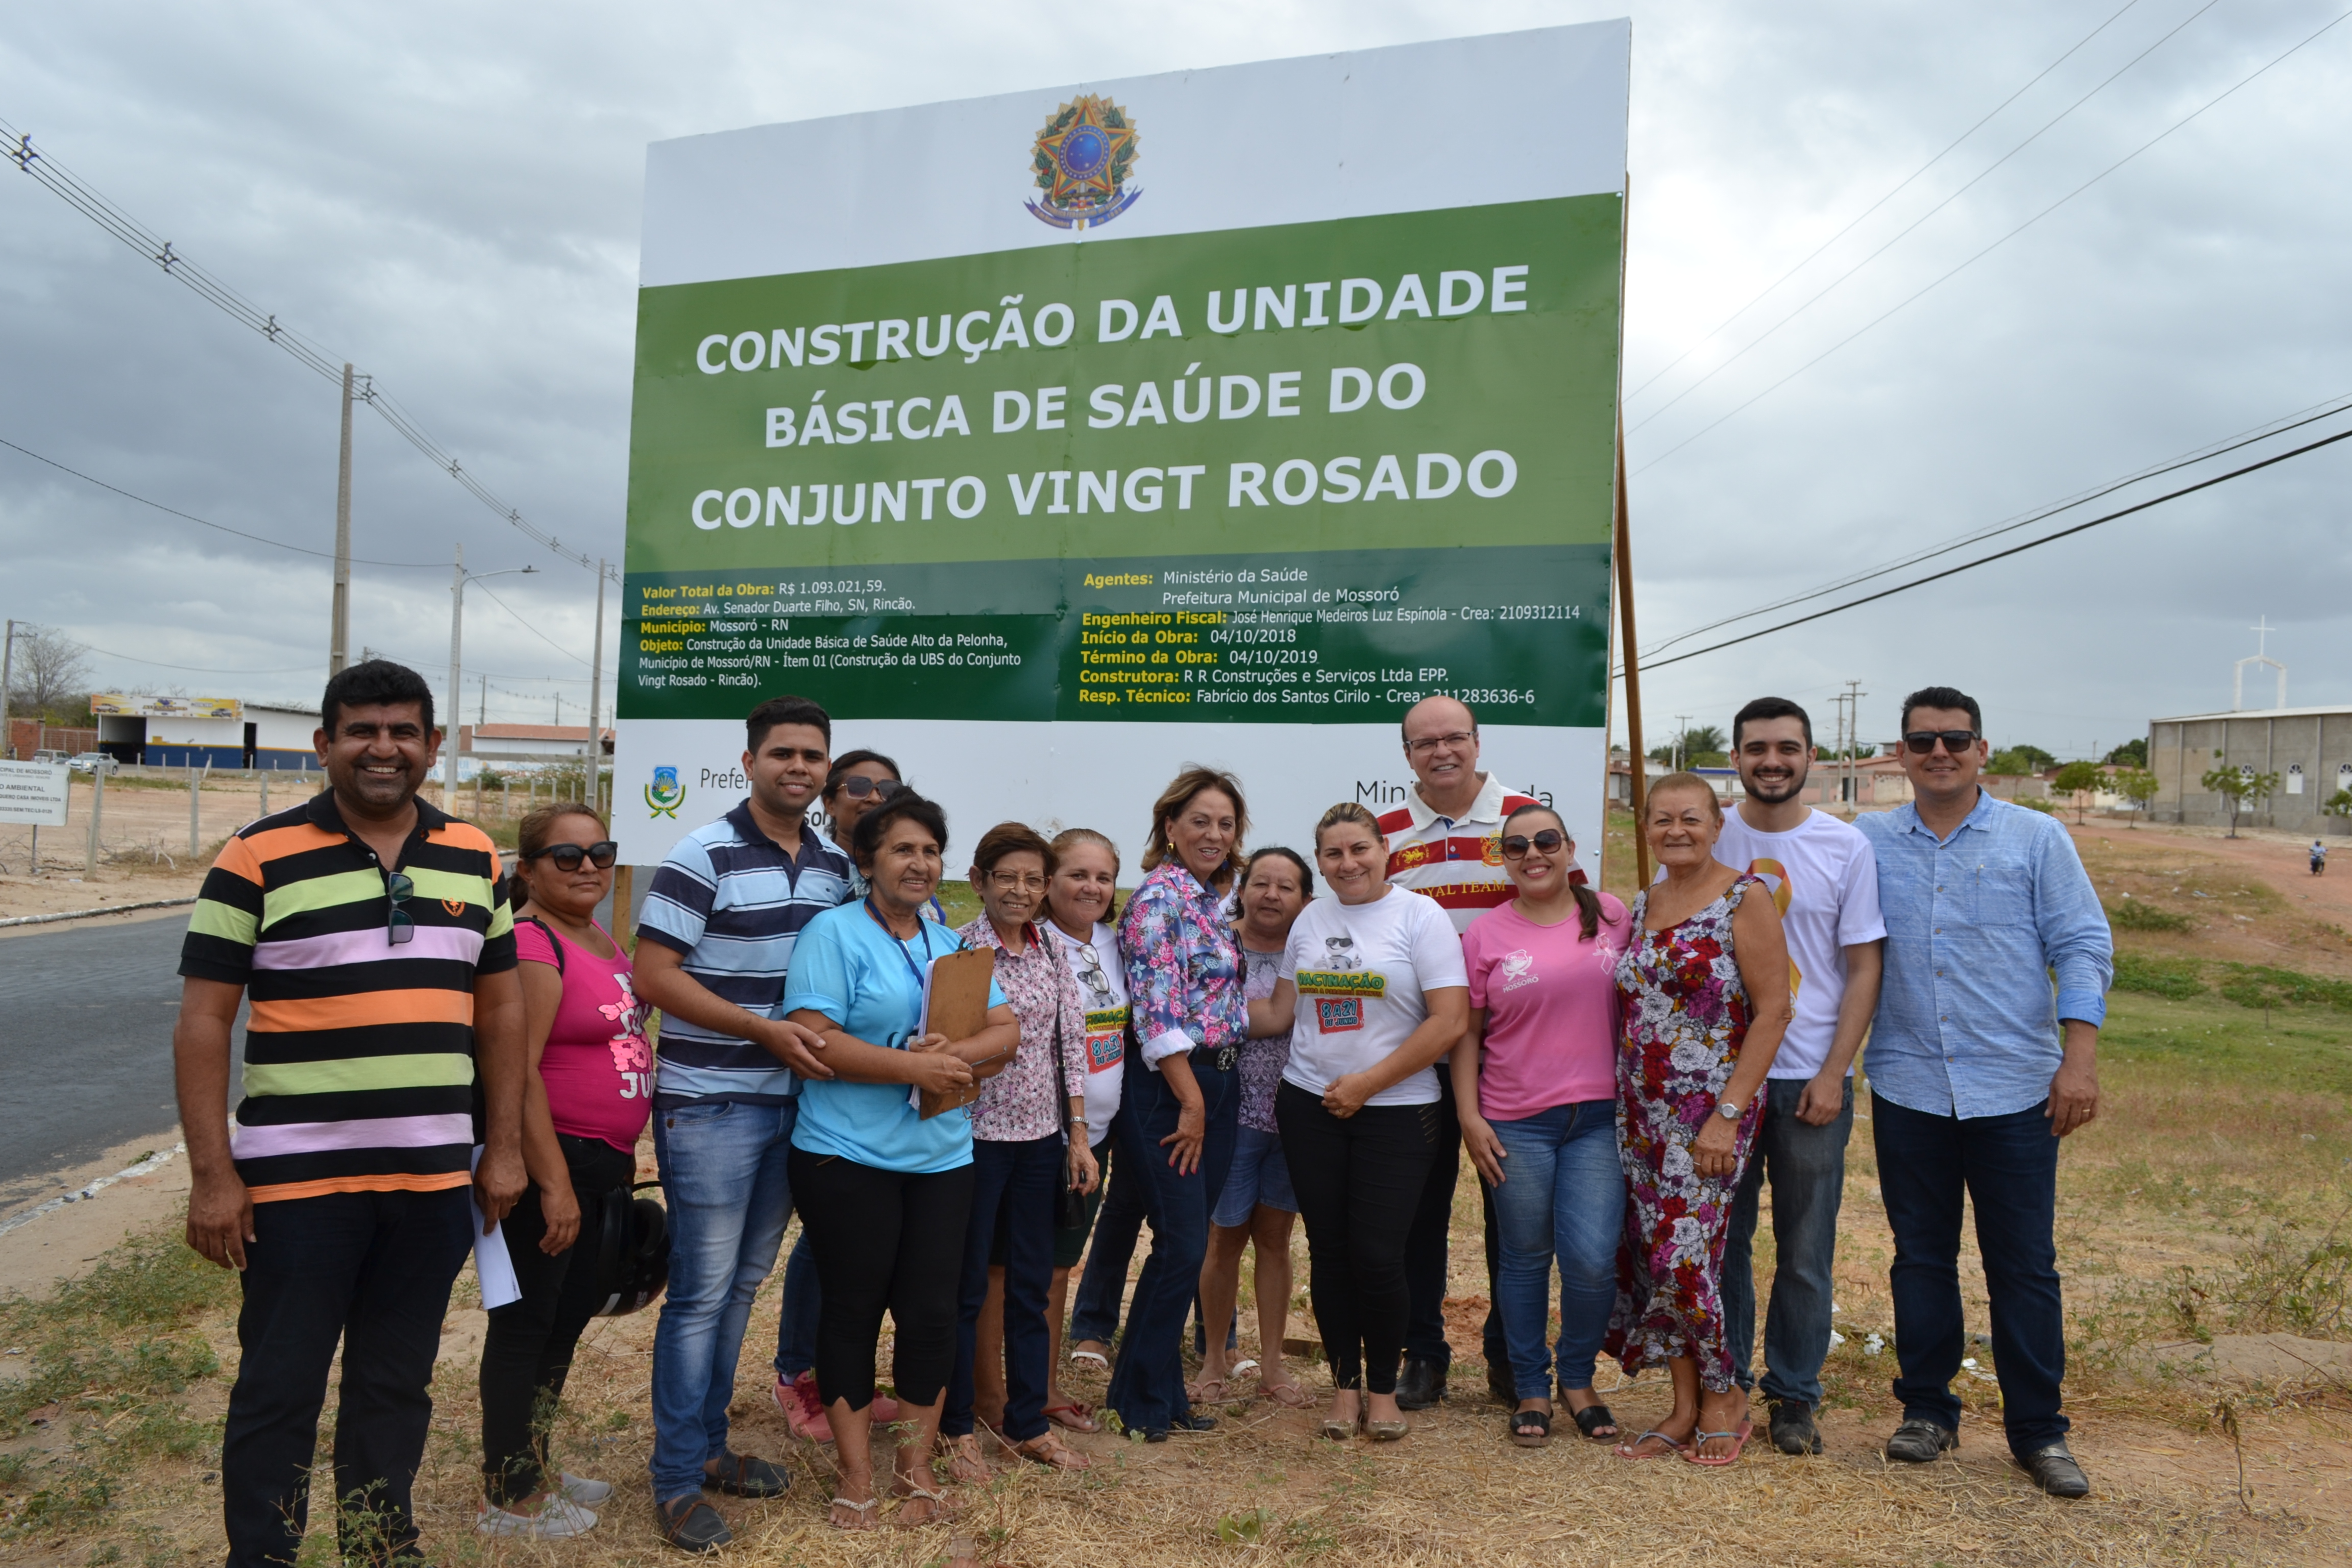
(1922, 741)
(1428, 743)
(567, 856)
(1014, 882)
(397, 927)
(1090, 970)
(1546, 841)
(857, 786)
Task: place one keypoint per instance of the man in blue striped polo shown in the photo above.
(714, 942)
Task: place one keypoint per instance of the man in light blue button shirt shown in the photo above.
(1976, 1069)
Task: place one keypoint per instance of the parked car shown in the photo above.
(94, 762)
(48, 756)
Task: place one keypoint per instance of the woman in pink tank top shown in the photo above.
(590, 1086)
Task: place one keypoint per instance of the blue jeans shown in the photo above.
(1102, 1287)
(796, 1325)
(1807, 1167)
(1562, 1198)
(1016, 1182)
(2009, 1166)
(1146, 1383)
(723, 1172)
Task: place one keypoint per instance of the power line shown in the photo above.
(526, 625)
(1882, 201)
(2189, 460)
(1900, 234)
(2003, 554)
(1988, 250)
(87, 201)
(198, 668)
(191, 517)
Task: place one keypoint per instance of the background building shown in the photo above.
(2309, 748)
(221, 731)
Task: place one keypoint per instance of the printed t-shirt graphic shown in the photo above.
(1824, 880)
(1551, 997)
(359, 1053)
(1455, 861)
(1102, 988)
(1362, 972)
(597, 1065)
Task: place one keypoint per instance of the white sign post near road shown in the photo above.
(34, 794)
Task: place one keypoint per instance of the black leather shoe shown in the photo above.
(691, 1524)
(1918, 1440)
(1792, 1429)
(2054, 1470)
(1182, 1424)
(742, 1475)
(1422, 1385)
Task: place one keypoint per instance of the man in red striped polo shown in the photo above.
(1446, 843)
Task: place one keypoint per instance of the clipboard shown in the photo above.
(955, 1003)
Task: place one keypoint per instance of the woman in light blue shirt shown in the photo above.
(885, 1194)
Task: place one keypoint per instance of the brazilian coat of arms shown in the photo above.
(1082, 160)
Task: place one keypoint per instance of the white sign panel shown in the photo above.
(33, 794)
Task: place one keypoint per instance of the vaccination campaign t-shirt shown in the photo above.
(1361, 971)
(847, 966)
(1102, 988)
(1824, 880)
(1550, 999)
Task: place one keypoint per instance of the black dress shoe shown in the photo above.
(1182, 1424)
(1422, 1385)
(2054, 1470)
(742, 1475)
(1918, 1440)
(1792, 1429)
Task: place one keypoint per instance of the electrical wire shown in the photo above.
(1900, 234)
(2238, 442)
(86, 200)
(1908, 300)
(2004, 554)
(191, 517)
(198, 668)
(526, 625)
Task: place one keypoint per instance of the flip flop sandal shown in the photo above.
(1054, 1454)
(1718, 1461)
(941, 1509)
(864, 1510)
(1242, 1369)
(1593, 1417)
(1287, 1395)
(1208, 1391)
(1531, 1428)
(966, 1463)
(1075, 1416)
(1632, 1450)
(1094, 1359)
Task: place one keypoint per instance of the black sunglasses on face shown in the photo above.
(567, 856)
(1922, 741)
(397, 927)
(1548, 840)
(857, 786)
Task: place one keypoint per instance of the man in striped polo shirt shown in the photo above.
(366, 928)
(1446, 843)
(713, 946)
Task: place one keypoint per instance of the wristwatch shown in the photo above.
(1729, 1110)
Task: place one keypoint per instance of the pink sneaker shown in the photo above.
(803, 1410)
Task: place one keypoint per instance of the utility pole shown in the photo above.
(482, 710)
(1682, 732)
(457, 641)
(8, 665)
(1854, 696)
(338, 640)
(596, 698)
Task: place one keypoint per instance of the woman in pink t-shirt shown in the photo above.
(1535, 1082)
(590, 1086)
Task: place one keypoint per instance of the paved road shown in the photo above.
(85, 1048)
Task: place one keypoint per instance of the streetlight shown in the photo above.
(456, 643)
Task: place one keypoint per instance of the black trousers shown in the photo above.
(1358, 1179)
(885, 1241)
(371, 1270)
(1425, 1250)
(527, 1353)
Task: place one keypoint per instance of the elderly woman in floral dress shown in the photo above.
(1704, 983)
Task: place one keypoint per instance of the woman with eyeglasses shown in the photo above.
(1535, 1083)
(1258, 1207)
(1027, 1119)
(585, 1103)
(1703, 989)
(885, 1193)
(1373, 990)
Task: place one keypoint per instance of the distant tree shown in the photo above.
(49, 674)
(2079, 779)
(2136, 785)
(2037, 803)
(2015, 763)
(2243, 789)
(2338, 805)
(2131, 755)
(1701, 746)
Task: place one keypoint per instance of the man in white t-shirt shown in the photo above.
(1825, 877)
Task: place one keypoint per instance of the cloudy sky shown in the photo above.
(449, 196)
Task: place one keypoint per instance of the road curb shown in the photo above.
(86, 915)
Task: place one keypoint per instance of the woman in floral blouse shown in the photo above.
(1705, 989)
(1017, 1146)
(1177, 1118)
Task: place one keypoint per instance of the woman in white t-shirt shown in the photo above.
(1374, 986)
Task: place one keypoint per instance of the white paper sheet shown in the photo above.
(491, 1263)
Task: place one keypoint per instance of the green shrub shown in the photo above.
(2172, 978)
(2257, 986)
(2138, 915)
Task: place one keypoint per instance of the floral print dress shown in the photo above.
(1686, 1014)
